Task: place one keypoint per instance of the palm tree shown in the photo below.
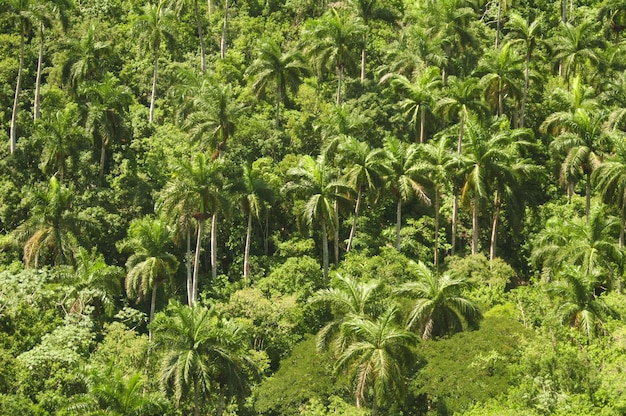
(155, 25)
(312, 179)
(180, 7)
(151, 264)
(575, 46)
(60, 134)
(365, 171)
(52, 228)
(282, 69)
(348, 298)
(368, 11)
(107, 104)
(257, 194)
(529, 35)
(610, 179)
(418, 97)
(377, 357)
(200, 348)
(194, 190)
(51, 9)
(501, 71)
(613, 13)
(433, 164)
(329, 41)
(581, 137)
(589, 244)
(439, 307)
(403, 178)
(579, 306)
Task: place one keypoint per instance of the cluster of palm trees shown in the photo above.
(372, 340)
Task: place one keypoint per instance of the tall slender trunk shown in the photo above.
(38, 76)
(214, 246)
(103, 155)
(224, 26)
(398, 221)
(459, 144)
(339, 83)
(200, 37)
(18, 88)
(500, 99)
(621, 242)
(498, 23)
(324, 249)
(246, 251)
(436, 244)
(374, 405)
(188, 265)
(422, 124)
(363, 57)
(587, 196)
(221, 400)
(279, 98)
(455, 219)
(267, 231)
(154, 82)
(494, 226)
(196, 398)
(475, 226)
(196, 262)
(356, 218)
(336, 223)
(525, 92)
(152, 308)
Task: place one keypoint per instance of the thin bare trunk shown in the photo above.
(498, 23)
(436, 244)
(455, 217)
(152, 308)
(500, 99)
(279, 97)
(475, 226)
(267, 231)
(221, 400)
(103, 155)
(459, 145)
(398, 221)
(525, 93)
(246, 252)
(18, 88)
(588, 196)
(224, 26)
(38, 76)
(196, 263)
(324, 249)
(354, 222)
(154, 82)
(188, 264)
(621, 242)
(494, 226)
(339, 83)
(196, 398)
(422, 124)
(200, 37)
(363, 58)
(214, 246)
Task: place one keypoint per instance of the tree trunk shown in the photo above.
(621, 242)
(154, 82)
(246, 251)
(339, 83)
(494, 225)
(475, 226)
(279, 97)
(336, 228)
(436, 244)
(587, 196)
(498, 23)
(103, 155)
(152, 308)
(356, 218)
(200, 37)
(196, 398)
(221, 400)
(224, 26)
(422, 124)
(455, 217)
(500, 99)
(525, 92)
(214, 246)
(18, 88)
(189, 267)
(38, 76)
(374, 405)
(267, 231)
(324, 249)
(196, 263)
(398, 221)
(459, 145)
(363, 58)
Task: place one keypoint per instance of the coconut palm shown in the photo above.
(377, 357)
(154, 26)
(579, 306)
(364, 172)
(52, 229)
(257, 193)
(329, 41)
(281, 69)
(151, 264)
(529, 34)
(312, 180)
(348, 298)
(404, 179)
(60, 133)
(438, 306)
(200, 349)
(107, 106)
(418, 97)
